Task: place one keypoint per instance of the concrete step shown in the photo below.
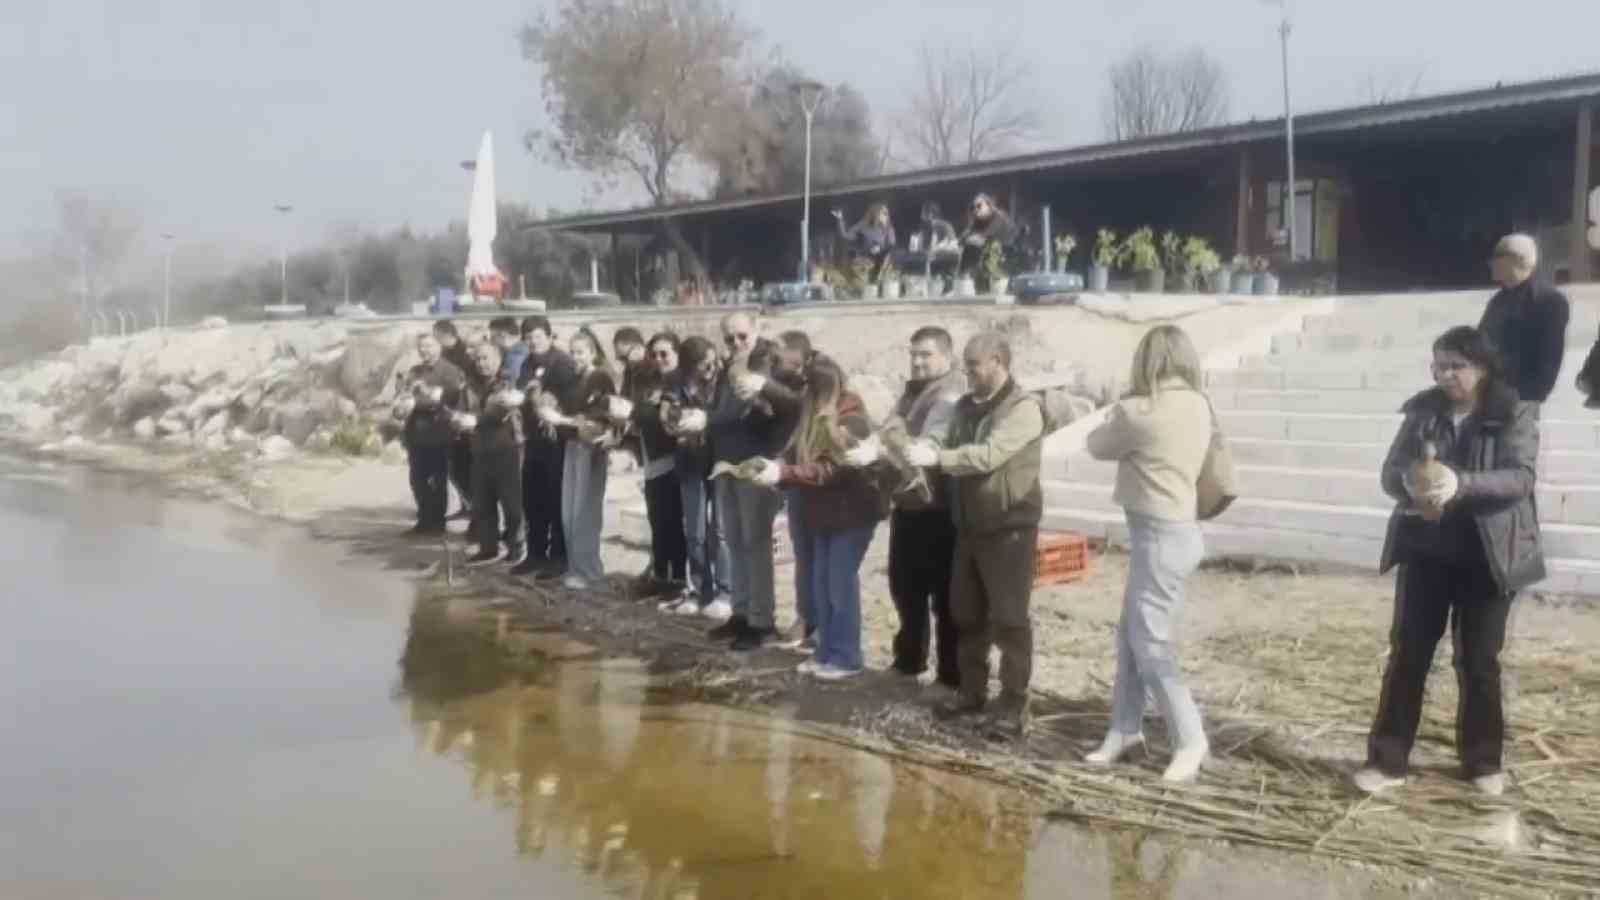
(1226, 538)
(1555, 466)
(1359, 340)
(1563, 406)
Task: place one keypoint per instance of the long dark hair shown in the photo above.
(691, 353)
(1473, 345)
(818, 435)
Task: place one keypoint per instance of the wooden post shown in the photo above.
(616, 282)
(1241, 222)
(1581, 256)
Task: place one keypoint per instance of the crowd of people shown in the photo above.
(935, 246)
(730, 437)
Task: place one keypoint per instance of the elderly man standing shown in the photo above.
(433, 392)
(991, 455)
(1525, 321)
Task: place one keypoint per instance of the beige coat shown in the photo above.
(1159, 443)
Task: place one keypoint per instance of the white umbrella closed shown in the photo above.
(483, 277)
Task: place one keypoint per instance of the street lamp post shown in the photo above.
(1291, 186)
(283, 259)
(809, 93)
(166, 283)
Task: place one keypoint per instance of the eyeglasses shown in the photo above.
(732, 339)
(662, 354)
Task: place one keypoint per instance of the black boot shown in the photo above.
(963, 708)
(1009, 720)
(729, 629)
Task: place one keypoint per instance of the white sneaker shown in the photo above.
(718, 610)
(809, 667)
(1114, 747)
(795, 640)
(1187, 762)
(1490, 785)
(575, 583)
(670, 606)
(834, 673)
(688, 607)
(1372, 780)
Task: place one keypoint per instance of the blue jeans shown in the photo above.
(708, 568)
(836, 594)
(804, 606)
(1161, 557)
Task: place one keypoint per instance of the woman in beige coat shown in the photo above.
(1158, 434)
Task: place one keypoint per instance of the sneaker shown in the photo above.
(575, 583)
(732, 626)
(719, 610)
(809, 667)
(689, 607)
(1114, 747)
(1373, 780)
(834, 673)
(751, 639)
(796, 638)
(484, 557)
(516, 556)
(1187, 763)
(421, 530)
(1492, 785)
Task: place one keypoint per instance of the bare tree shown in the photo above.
(969, 105)
(1395, 85)
(1149, 93)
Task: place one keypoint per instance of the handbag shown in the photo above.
(1217, 485)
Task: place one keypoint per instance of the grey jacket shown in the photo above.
(1496, 483)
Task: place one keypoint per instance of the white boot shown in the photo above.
(1186, 762)
(1113, 748)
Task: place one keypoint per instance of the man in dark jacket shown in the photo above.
(496, 462)
(922, 536)
(454, 351)
(545, 370)
(991, 455)
(1525, 321)
(434, 392)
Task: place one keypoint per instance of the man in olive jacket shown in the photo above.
(991, 454)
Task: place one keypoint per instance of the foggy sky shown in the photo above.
(207, 112)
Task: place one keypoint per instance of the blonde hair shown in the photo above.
(818, 436)
(1165, 352)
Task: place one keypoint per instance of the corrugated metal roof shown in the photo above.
(1334, 121)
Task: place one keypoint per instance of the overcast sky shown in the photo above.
(207, 112)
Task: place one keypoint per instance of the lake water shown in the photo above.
(201, 704)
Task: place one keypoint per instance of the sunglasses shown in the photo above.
(732, 339)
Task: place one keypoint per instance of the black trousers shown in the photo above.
(922, 547)
(497, 496)
(1427, 597)
(430, 467)
(541, 500)
(669, 549)
(461, 470)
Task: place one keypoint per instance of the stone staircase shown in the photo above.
(1311, 420)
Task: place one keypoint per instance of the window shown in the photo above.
(1316, 216)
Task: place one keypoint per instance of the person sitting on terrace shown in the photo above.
(986, 224)
(872, 238)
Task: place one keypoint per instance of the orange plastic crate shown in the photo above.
(1063, 556)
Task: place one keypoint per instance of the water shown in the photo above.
(199, 705)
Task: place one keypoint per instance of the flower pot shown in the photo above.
(1244, 282)
(1266, 284)
(966, 287)
(1219, 281)
(999, 287)
(1099, 277)
(1178, 284)
(1152, 282)
(915, 286)
(889, 290)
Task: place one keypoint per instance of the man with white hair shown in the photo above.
(1525, 321)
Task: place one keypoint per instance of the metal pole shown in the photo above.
(1288, 132)
(166, 290)
(805, 216)
(1047, 247)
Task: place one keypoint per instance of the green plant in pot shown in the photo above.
(1201, 265)
(889, 281)
(1172, 262)
(1065, 244)
(994, 266)
(1244, 276)
(1141, 254)
(1106, 253)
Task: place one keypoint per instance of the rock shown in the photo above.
(393, 453)
(369, 360)
(178, 439)
(210, 322)
(215, 443)
(28, 417)
(275, 447)
(373, 444)
(207, 403)
(295, 421)
(171, 423)
(320, 440)
(216, 426)
(250, 398)
(177, 392)
(145, 429)
(238, 435)
(74, 442)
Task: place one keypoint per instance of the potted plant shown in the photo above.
(914, 286)
(1244, 276)
(1065, 244)
(1172, 263)
(889, 281)
(1266, 283)
(1106, 251)
(994, 266)
(1201, 265)
(1141, 254)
